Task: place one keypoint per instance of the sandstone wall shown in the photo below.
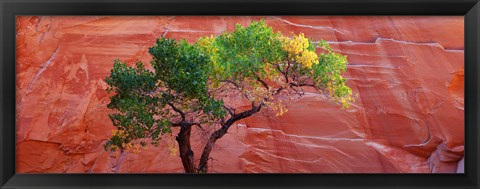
(407, 73)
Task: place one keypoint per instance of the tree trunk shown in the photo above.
(203, 165)
(186, 153)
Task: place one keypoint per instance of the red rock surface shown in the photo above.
(407, 73)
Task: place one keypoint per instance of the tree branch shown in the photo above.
(302, 85)
(286, 71)
(179, 124)
(230, 111)
(283, 73)
(238, 87)
(262, 82)
(203, 167)
(242, 115)
(278, 90)
(178, 111)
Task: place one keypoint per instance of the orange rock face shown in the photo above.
(406, 72)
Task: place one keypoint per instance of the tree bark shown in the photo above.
(203, 165)
(186, 153)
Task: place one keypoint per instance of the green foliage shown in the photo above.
(183, 71)
(327, 74)
(188, 81)
(136, 107)
(181, 67)
(246, 52)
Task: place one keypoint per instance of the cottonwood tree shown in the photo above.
(191, 86)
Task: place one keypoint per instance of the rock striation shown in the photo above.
(407, 73)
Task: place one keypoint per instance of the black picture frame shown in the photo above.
(11, 8)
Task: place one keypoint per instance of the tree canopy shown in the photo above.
(190, 85)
